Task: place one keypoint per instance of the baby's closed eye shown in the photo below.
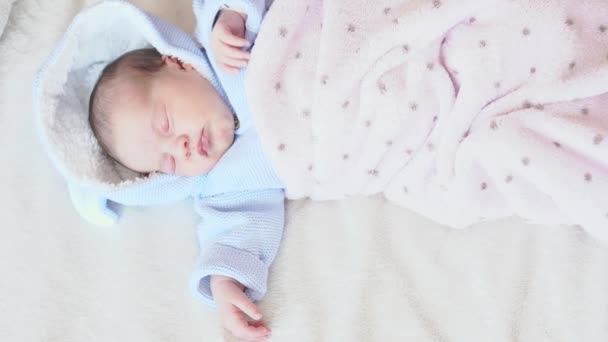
(164, 126)
(162, 120)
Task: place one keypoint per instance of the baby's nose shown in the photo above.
(184, 146)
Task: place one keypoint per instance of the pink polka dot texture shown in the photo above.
(492, 108)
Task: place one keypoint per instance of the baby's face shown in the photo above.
(179, 125)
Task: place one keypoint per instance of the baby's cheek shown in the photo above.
(227, 136)
(167, 164)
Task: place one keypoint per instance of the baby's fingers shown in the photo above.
(239, 327)
(231, 65)
(234, 63)
(228, 38)
(227, 51)
(232, 59)
(241, 302)
(229, 69)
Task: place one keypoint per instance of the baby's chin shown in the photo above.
(222, 133)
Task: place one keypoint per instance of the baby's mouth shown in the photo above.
(203, 144)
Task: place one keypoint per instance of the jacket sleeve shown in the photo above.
(205, 12)
(239, 237)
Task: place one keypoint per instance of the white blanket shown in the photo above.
(353, 270)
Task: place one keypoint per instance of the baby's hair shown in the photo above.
(132, 68)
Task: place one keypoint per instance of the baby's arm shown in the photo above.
(239, 238)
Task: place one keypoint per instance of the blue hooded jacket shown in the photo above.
(240, 201)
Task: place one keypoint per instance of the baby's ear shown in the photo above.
(175, 62)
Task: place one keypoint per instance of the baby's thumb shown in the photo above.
(247, 306)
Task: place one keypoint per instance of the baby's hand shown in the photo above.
(233, 305)
(227, 39)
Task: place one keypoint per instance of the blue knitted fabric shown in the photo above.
(240, 201)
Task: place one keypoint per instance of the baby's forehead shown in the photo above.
(129, 106)
(129, 88)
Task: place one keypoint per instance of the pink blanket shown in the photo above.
(462, 110)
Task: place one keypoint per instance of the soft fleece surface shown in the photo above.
(352, 270)
(462, 110)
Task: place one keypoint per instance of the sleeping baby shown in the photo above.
(155, 113)
(175, 119)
